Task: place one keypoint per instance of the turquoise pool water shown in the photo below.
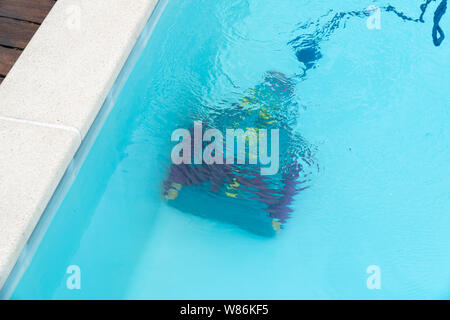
(373, 106)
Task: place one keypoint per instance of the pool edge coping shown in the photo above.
(31, 210)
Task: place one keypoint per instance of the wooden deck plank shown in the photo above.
(7, 59)
(29, 10)
(16, 34)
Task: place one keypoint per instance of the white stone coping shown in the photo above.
(49, 100)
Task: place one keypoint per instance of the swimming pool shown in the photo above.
(372, 106)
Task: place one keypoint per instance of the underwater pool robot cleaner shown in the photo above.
(240, 194)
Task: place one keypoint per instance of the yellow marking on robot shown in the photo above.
(276, 225)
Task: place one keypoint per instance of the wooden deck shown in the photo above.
(19, 20)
